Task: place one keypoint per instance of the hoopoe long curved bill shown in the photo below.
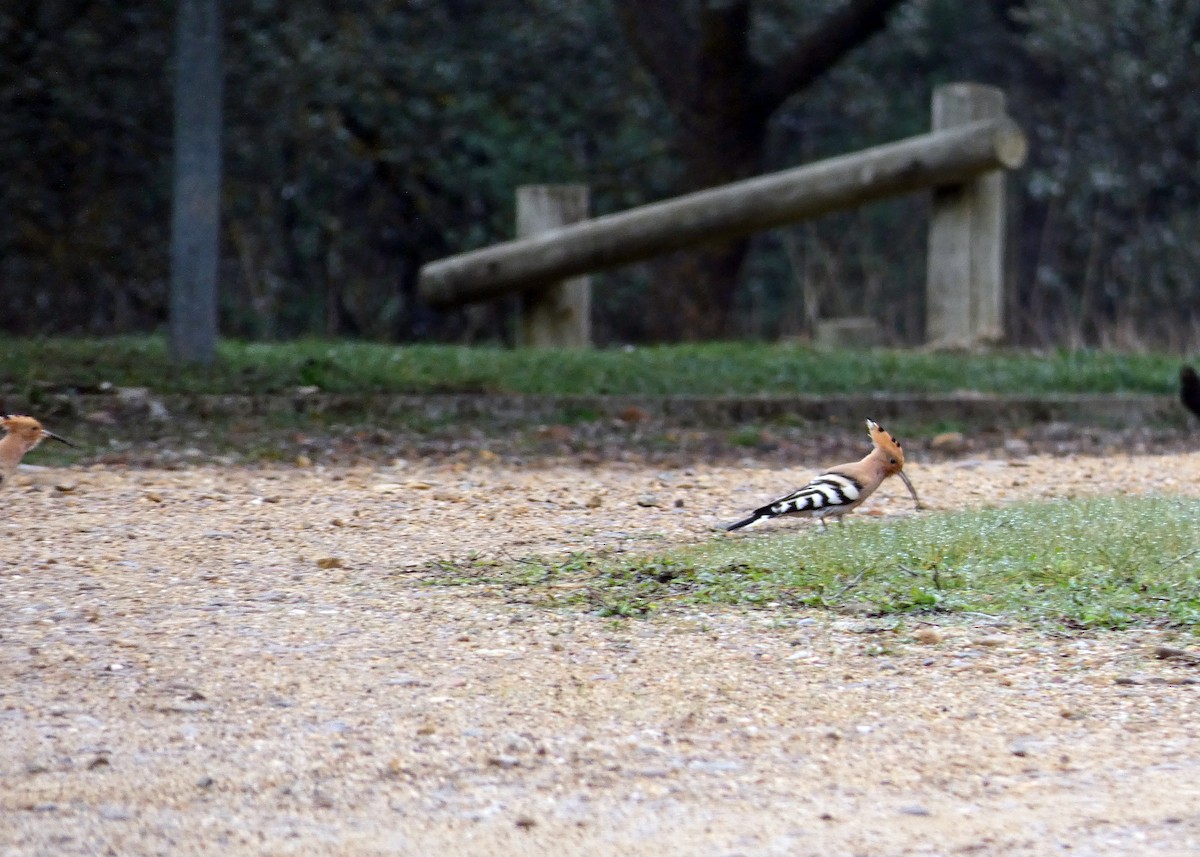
(840, 489)
(21, 435)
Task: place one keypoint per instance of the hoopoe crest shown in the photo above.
(21, 435)
(840, 489)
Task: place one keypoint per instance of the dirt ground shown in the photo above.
(246, 661)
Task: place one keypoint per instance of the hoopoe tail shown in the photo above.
(745, 522)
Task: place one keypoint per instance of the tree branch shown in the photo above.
(821, 49)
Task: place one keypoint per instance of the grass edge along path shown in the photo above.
(708, 369)
(1112, 562)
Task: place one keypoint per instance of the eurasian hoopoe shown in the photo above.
(22, 435)
(840, 489)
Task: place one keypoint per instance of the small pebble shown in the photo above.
(1021, 747)
(1016, 447)
(949, 441)
(991, 642)
(928, 636)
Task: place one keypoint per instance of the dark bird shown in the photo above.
(1189, 389)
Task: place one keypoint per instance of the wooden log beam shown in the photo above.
(945, 157)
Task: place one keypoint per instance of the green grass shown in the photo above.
(1101, 563)
(707, 369)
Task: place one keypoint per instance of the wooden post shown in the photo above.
(556, 315)
(965, 277)
(196, 192)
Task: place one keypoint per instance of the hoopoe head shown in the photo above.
(887, 448)
(27, 432)
(890, 455)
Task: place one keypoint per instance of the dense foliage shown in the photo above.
(365, 139)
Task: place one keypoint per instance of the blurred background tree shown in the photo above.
(722, 85)
(362, 140)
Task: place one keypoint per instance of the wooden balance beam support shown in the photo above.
(558, 315)
(964, 278)
(947, 157)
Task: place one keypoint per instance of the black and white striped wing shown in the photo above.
(824, 495)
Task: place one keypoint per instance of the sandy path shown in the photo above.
(241, 663)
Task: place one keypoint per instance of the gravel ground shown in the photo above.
(245, 661)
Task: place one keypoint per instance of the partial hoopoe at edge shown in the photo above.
(21, 435)
(1189, 389)
(840, 489)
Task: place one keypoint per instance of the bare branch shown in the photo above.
(822, 48)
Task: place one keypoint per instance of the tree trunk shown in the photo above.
(698, 55)
(722, 137)
(197, 183)
(692, 293)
